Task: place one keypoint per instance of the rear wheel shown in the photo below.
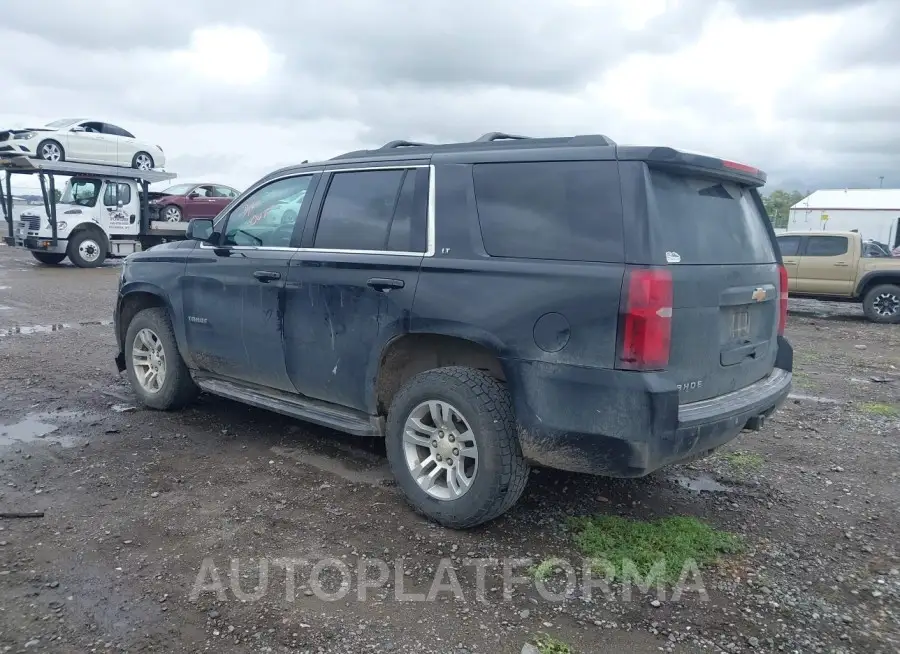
(87, 249)
(142, 161)
(882, 304)
(51, 150)
(49, 258)
(453, 446)
(155, 368)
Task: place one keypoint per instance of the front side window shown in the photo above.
(266, 217)
(116, 193)
(83, 192)
(374, 210)
(826, 246)
(224, 192)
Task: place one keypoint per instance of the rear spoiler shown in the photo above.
(699, 163)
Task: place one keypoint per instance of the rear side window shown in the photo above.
(563, 210)
(708, 221)
(789, 245)
(372, 210)
(826, 246)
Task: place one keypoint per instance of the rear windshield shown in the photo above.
(708, 221)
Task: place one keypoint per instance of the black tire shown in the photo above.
(502, 471)
(49, 258)
(164, 217)
(45, 156)
(177, 389)
(95, 248)
(138, 155)
(882, 304)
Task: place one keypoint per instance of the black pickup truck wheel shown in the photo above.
(453, 446)
(882, 304)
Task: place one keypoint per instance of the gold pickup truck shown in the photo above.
(840, 266)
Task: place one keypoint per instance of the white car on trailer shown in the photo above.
(82, 140)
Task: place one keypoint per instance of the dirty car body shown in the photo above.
(628, 303)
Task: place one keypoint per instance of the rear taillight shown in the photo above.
(782, 299)
(646, 324)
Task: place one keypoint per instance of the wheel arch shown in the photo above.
(134, 298)
(876, 278)
(409, 354)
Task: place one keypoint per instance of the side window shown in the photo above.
(826, 246)
(116, 193)
(360, 208)
(565, 210)
(224, 192)
(266, 218)
(789, 245)
(93, 128)
(124, 193)
(112, 129)
(201, 191)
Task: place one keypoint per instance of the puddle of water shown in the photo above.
(700, 484)
(373, 475)
(46, 329)
(813, 398)
(37, 427)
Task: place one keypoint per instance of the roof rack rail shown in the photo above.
(390, 145)
(498, 136)
(591, 139)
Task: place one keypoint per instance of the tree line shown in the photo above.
(778, 205)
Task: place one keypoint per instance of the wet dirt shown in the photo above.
(145, 502)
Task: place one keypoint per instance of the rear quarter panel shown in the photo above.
(535, 310)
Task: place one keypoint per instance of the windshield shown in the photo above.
(65, 122)
(82, 192)
(178, 189)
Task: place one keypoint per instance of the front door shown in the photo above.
(199, 203)
(827, 266)
(119, 216)
(351, 287)
(234, 293)
(89, 143)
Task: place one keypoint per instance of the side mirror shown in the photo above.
(200, 229)
(193, 195)
(120, 204)
(78, 128)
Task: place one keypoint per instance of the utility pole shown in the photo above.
(880, 181)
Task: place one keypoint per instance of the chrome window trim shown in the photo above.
(429, 216)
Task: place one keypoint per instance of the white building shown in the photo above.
(874, 213)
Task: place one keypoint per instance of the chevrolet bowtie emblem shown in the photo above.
(759, 295)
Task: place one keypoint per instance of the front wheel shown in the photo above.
(155, 368)
(51, 150)
(453, 446)
(171, 214)
(882, 304)
(49, 258)
(87, 249)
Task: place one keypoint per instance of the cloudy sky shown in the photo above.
(808, 90)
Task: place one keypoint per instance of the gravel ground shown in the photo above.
(145, 511)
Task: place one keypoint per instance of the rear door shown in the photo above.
(720, 252)
(826, 266)
(790, 257)
(351, 287)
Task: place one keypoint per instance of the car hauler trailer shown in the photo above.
(103, 212)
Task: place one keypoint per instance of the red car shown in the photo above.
(186, 201)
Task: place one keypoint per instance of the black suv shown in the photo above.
(483, 306)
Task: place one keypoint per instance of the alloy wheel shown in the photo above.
(148, 358)
(440, 450)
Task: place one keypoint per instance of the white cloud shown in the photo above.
(235, 96)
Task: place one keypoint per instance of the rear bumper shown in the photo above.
(624, 424)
